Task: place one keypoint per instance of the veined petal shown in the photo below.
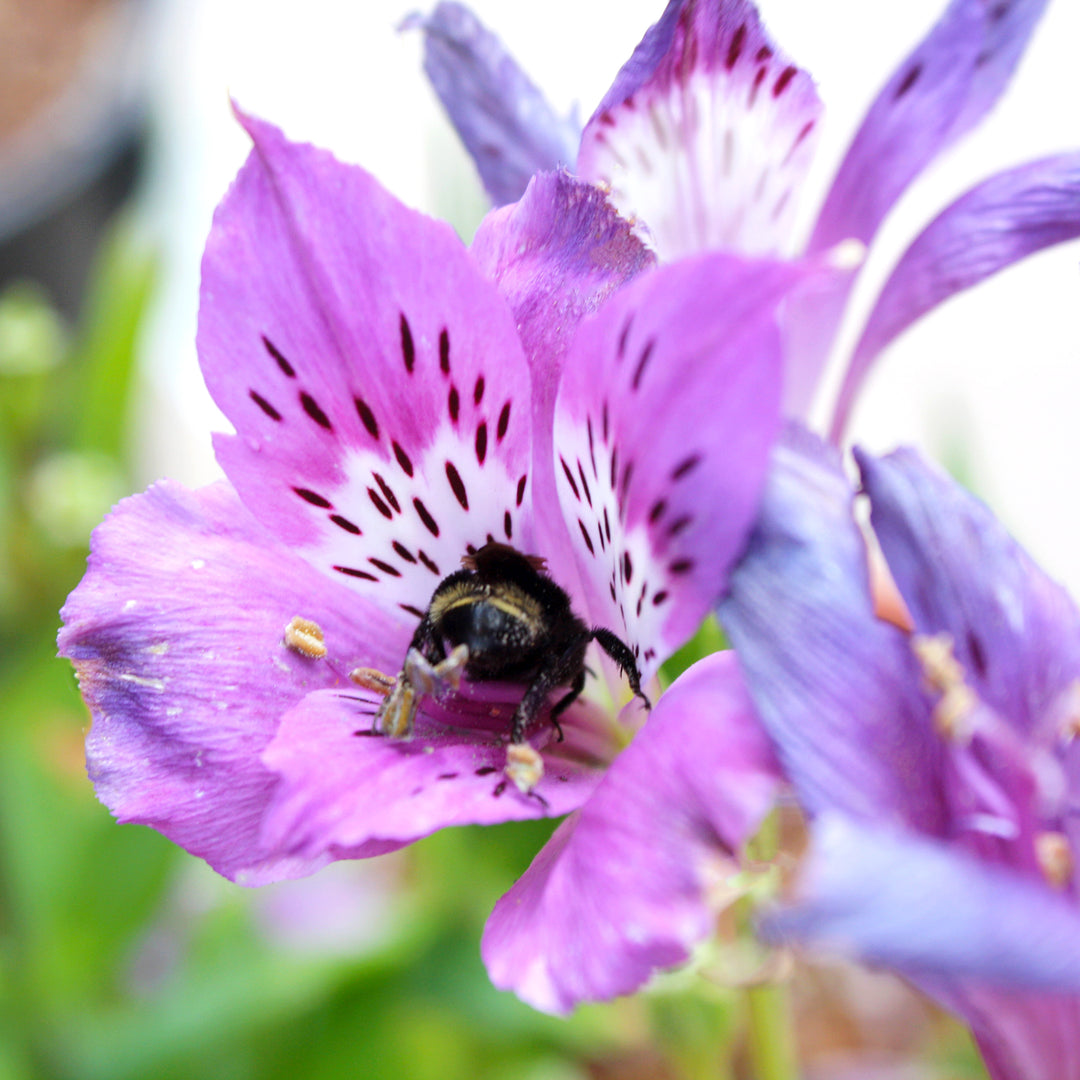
(177, 634)
(1014, 631)
(1002, 220)
(940, 91)
(623, 887)
(669, 404)
(374, 377)
(837, 688)
(924, 908)
(556, 256)
(706, 133)
(504, 121)
(342, 788)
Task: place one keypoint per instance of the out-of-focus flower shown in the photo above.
(938, 762)
(399, 401)
(706, 135)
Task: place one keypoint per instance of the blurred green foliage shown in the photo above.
(121, 957)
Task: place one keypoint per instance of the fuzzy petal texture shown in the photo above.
(938, 93)
(837, 688)
(641, 495)
(623, 887)
(706, 133)
(1003, 220)
(1014, 630)
(375, 378)
(920, 907)
(176, 632)
(504, 121)
(343, 788)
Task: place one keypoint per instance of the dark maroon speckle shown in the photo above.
(264, 405)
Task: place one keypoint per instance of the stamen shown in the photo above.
(524, 766)
(943, 674)
(372, 679)
(306, 637)
(1054, 853)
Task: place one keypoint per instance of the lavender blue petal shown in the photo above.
(938, 93)
(176, 632)
(1003, 220)
(505, 122)
(1014, 630)
(921, 907)
(622, 888)
(837, 688)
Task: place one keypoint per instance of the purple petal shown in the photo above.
(926, 909)
(556, 256)
(706, 133)
(837, 688)
(505, 122)
(1015, 632)
(374, 377)
(667, 410)
(1004, 219)
(341, 788)
(1021, 1035)
(177, 635)
(940, 91)
(622, 888)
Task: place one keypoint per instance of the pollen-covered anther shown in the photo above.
(372, 679)
(1055, 856)
(305, 637)
(944, 675)
(524, 766)
(1067, 712)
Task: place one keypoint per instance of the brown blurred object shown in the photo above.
(72, 109)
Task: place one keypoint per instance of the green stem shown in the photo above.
(771, 1034)
(772, 1046)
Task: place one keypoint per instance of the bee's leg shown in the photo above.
(569, 667)
(618, 650)
(417, 677)
(566, 701)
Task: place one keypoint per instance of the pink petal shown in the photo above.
(666, 414)
(706, 134)
(375, 379)
(622, 888)
(177, 634)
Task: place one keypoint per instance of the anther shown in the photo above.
(306, 637)
(944, 675)
(524, 766)
(372, 679)
(1054, 853)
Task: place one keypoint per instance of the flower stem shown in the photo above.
(772, 1048)
(771, 1034)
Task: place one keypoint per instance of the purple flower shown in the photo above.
(707, 133)
(398, 402)
(939, 763)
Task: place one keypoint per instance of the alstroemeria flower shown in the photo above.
(707, 133)
(939, 762)
(399, 400)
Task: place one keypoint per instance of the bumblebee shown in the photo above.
(500, 618)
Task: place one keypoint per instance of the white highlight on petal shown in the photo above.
(710, 163)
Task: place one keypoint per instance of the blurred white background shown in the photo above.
(990, 381)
